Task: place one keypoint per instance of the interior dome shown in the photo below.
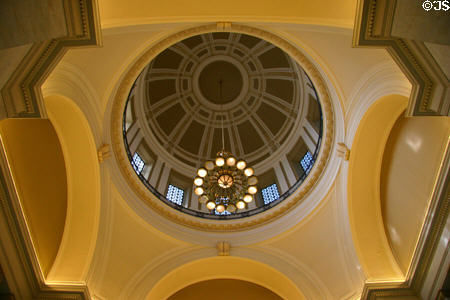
(222, 90)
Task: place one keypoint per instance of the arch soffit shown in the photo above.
(69, 81)
(382, 80)
(225, 267)
(83, 179)
(148, 278)
(363, 188)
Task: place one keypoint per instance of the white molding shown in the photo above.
(69, 81)
(382, 80)
(101, 254)
(303, 277)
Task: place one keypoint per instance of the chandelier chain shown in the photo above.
(226, 184)
(221, 108)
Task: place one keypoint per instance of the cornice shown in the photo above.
(208, 225)
(22, 92)
(373, 26)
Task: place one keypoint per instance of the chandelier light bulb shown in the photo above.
(248, 172)
(209, 165)
(203, 199)
(198, 191)
(240, 204)
(248, 198)
(220, 208)
(198, 181)
(252, 180)
(220, 161)
(241, 165)
(210, 205)
(231, 208)
(252, 189)
(202, 172)
(231, 161)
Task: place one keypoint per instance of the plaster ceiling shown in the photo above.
(134, 252)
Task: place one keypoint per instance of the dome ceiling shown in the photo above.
(258, 104)
(195, 89)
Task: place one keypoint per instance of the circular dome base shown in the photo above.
(253, 105)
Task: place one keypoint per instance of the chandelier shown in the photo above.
(226, 184)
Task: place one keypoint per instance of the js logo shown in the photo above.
(436, 5)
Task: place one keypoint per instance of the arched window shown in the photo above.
(270, 193)
(137, 163)
(175, 194)
(307, 162)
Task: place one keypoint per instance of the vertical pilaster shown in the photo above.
(282, 184)
(288, 171)
(154, 176)
(163, 180)
(131, 132)
(136, 142)
(311, 131)
(308, 141)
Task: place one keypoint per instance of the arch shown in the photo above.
(411, 161)
(225, 267)
(31, 149)
(224, 289)
(83, 190)
(363, 186)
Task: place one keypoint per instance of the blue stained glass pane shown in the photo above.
(137, 163)
(270, 193)
(175, 194)
(307, 162)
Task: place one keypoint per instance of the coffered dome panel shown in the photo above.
(247, 84)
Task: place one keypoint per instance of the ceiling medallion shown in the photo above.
(225, 185)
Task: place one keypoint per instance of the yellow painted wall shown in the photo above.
(37, 165)
(83, 190)
(411, 161)
(117, 12)
(225, 289)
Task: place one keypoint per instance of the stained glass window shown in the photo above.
(270, 193)
(307, 162)
(175, 194)
(137, 163)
